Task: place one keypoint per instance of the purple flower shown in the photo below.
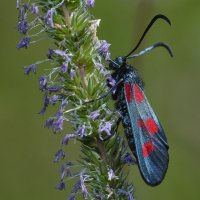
(17, 4)
(51, 53)
(59, 114)
(77, 186)
(65, 171)
(106, 128)
(104, 46)
(94, 115)
(30, 68)
(43, 83)
(111, 81)
(54, 99)
(25, 41)
(49, 123)
(64, 67)
(128, 194)
(99, 65)
(127, 158)
(83, 187)
(103, 49)
(60, 154)
(22, 26)
(72, 74)
(90, 3)
(48, 18)
(67, 138)
(35, 10)
(105, 72)
(100, 196)
(107, 55)
(58, 125)
(68, 172)
(53, 88)
(69, 163)
(72, 197)
(25, 6)
(62, 54)
(81, 131)
(111, 175)
(46, 103)
(61, 186)
(64, 103)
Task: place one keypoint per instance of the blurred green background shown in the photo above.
(172, 86)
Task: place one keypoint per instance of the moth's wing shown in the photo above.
(150, 143)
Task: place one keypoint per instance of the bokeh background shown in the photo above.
(27, 171)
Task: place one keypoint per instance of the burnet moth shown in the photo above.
(143, 130)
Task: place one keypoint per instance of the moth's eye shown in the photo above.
(120, 61)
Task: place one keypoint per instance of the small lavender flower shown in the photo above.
(72, 74)
(67, 138)
(72, 197)
(128, 194)
(63, 104)
(43, 83)
(22, 26)
(54, 99)
(62, 54)
(77, 186)
(94, 115)
(64, 67)
(105, 127)
(81, 131)
(35, 10)
(58, 125)
(111, 175)
(46, 103)
(60, 154)
(100, 196)
(128, 159)
(61, 186)
(65, 172)
(103, 49)
(25, 6)
(111, 82)
(53, 89)
(68, 172)
(25, 41)
(17, 4)
(48, 18)
(106, 72)
(69, 163)
(90, 3)
(59, 114)
(49, 123)
(83, 187)
(30, 68)
(51, 53)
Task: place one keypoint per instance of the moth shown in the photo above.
(144, 133)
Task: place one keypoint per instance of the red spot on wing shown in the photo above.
(147, 148)
(128, 92)
(140, 123)
(151, 126)
(139, 97)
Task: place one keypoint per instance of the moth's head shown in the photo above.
(117, 63)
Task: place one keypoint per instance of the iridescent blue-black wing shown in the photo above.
(150, 143)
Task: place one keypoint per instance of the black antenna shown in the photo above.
(160, 16)
(159, 44)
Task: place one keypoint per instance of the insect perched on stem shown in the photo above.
(143, 130)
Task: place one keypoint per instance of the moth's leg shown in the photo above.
(107, 93)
